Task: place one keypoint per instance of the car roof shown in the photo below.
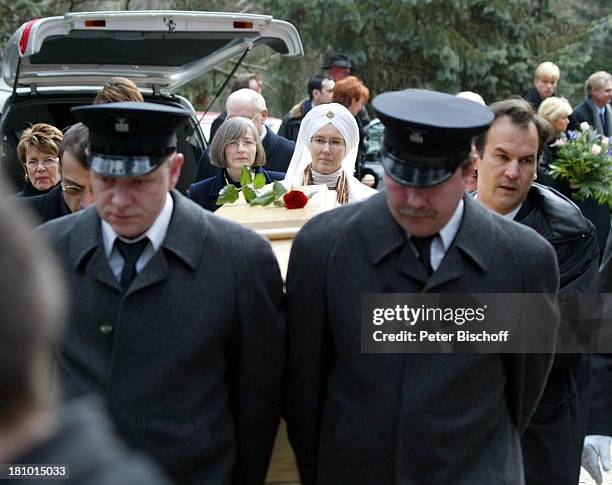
(155, 49)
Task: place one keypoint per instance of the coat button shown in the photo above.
(106, 329)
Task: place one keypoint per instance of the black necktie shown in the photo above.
(423, 247)
(130, 253)
(602, 117)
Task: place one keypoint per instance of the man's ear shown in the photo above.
(264, 115)
(175, 168)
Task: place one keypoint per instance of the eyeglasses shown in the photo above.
(47, 162)
(75, 191)
(235, 144)
(334, 143)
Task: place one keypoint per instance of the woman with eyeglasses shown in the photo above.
(326, 152)
(235, 145)
(38, 150)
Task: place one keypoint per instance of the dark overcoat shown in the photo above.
(278, 150)
(190, 358)
(358, 418)
(552, 443)
(206, 192)
(84, 441)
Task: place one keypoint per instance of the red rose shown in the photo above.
(295, 199)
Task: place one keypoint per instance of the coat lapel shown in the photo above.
(183, 240)
(87, 248)
(383, 236)
(467, 246)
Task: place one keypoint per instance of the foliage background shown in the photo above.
(487, 46)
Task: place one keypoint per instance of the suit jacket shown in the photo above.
(48, 206)
(206, 192)
(406, 418)
(190, 358)
(278, 150)
(587, 111)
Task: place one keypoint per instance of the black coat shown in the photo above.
(278, 150)
(85, 442)
(190, 359)
(206, 192)
(534, 97)
(30, 191)
(356, 418)
(48, 206)
(552, 443)
(600, 417)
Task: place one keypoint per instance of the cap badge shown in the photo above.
(330, 114)
(121, 125)
(416, 137)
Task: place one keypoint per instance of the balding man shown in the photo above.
(250, 104)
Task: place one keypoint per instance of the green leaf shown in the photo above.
(246, 177)
(249, 193)
(279, 189)
(227, 195)
(264, 199)
(259, 181)
(309, 196)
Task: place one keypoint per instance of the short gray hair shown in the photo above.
(597, 80)
(232, 129)
(245, 94)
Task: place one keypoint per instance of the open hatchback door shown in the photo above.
(52, 64)
(158, 49)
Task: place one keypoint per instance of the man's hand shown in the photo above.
(596, 449)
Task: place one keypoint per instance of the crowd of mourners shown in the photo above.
(180, 321)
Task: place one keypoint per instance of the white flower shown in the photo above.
(605, 140)
(595, 150)
(584, 126)
(558, 142)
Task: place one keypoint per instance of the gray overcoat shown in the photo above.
(409, 419)
(190, 359)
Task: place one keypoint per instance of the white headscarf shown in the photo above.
(341, 118)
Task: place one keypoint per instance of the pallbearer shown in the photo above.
(411, 418)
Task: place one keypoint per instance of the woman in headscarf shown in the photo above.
(326, 151)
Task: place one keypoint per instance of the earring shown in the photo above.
(26, 178)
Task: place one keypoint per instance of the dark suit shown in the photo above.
(190, 358)
(278, 150)
(206, 192)
(357, 418)
(48, 206)
(587, 111)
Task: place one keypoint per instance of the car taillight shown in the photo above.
(25, 36)
(95, 23)
(243, 25)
